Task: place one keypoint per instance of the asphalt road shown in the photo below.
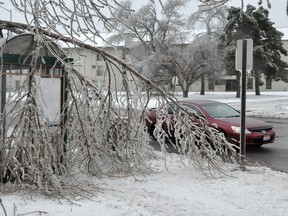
(274, 155)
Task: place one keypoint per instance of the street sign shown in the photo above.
(240, 55)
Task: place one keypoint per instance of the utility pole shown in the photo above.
(9, 10)
(244, 63)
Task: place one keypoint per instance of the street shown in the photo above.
(274, 155)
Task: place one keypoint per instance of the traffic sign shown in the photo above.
(248, 55)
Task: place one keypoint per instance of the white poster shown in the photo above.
(49, 99)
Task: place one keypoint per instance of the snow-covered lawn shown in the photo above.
(180, 190)
(268, 104)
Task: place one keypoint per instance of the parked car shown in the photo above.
(224, 118)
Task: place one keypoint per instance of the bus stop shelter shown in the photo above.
(20, 55)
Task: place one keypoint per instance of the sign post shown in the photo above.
(244, 63)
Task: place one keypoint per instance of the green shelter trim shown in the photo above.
(27, 60)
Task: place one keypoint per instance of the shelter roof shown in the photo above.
(25, 44)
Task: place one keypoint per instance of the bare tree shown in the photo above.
(214, 20)
(101, 135)
(191, 62)
(150, 33)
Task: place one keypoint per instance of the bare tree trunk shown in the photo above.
(202, 92)
(186, 89)
(185, 93)
(257, 83)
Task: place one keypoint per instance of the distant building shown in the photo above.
(93, 66)
(228, 83)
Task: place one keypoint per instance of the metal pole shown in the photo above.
(243, 107)
(10, 11)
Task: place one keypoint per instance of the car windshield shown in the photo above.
(220, 110)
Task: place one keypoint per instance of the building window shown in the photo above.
(100, 70)
(219, 82)
(268, 83)
(231, 85)
(99, 57)
(250, 83)
(78, 64)
(211, 84)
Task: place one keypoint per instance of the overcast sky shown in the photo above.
(277, 12)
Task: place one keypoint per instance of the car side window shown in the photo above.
(194, 109)
(171, 108)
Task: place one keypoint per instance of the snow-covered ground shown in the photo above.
(180, 190)
(267, 105)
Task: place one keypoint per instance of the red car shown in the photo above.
(226, 119)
